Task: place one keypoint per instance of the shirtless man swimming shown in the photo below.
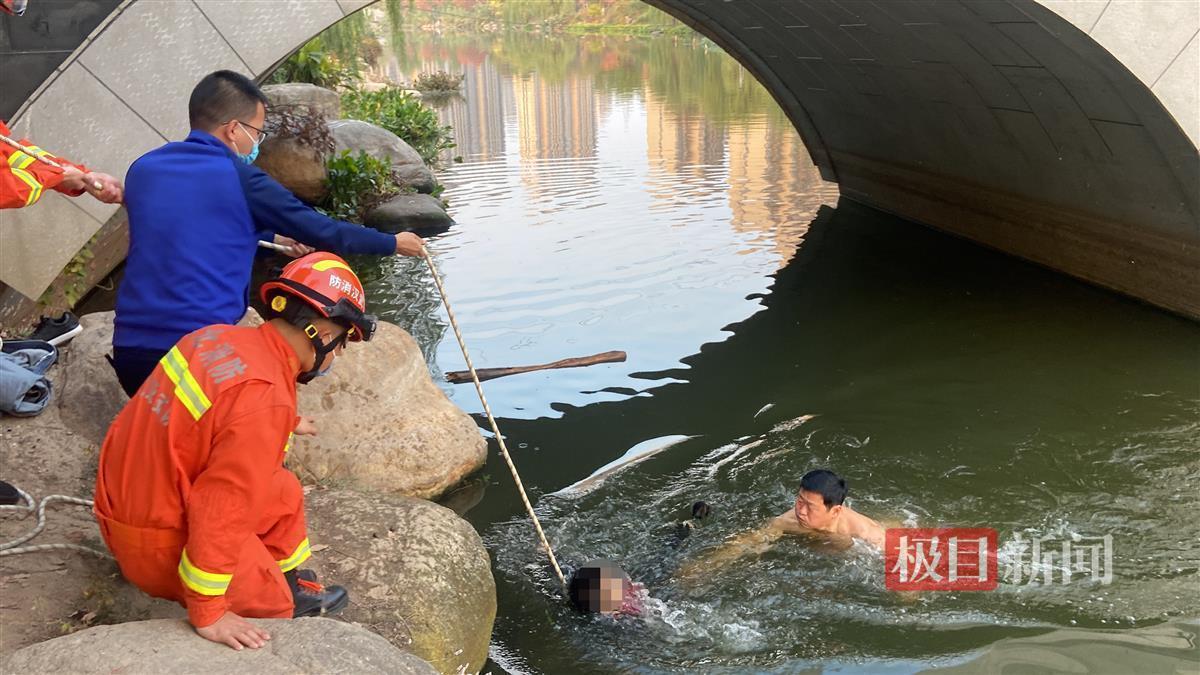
(820, 507)
(819, 510)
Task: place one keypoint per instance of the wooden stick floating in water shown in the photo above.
(460, 376)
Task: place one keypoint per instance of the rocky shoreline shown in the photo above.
(301, 168)
(422, 594)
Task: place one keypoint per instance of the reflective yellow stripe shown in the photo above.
(204, 583)
(37, 151)
(331, 264)
(187, 389)
(19, 160)
(302, 553)
(35, 188)
(288, 446)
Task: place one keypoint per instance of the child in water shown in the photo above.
(602, 587)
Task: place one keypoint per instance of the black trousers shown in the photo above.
(134, 365)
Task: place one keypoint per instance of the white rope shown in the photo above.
(14, 547)
(537, 525)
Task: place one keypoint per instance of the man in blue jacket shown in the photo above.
(197, 209)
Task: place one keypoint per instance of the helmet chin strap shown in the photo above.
(322, 350)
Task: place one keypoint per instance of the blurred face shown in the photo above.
(612, 593)
(811, 511)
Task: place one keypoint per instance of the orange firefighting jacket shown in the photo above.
(23, 178)
(195, 448)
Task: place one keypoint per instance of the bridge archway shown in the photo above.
(1063, 132)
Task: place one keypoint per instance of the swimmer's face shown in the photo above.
(612, 594)
(811, 511)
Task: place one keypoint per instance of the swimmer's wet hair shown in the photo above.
(826, 483)
(701, 510)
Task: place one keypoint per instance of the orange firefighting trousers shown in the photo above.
(149, 558)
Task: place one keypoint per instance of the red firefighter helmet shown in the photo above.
(326, 284)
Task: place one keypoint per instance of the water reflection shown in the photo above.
(601, 206)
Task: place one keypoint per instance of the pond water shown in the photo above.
(647, 195)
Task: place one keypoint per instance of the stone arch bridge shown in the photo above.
(1062, 131)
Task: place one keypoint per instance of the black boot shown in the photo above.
(313, 599)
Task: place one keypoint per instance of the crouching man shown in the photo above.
(192, 496)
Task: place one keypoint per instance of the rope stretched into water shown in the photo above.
(537, 525)
(14, 547)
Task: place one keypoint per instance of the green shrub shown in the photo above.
(357, 184)
(439, 82)
(314, 64)
(404, 115)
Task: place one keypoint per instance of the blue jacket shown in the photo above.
(196, 214)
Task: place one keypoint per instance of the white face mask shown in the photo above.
(18, 6)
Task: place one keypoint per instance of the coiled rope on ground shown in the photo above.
(30, 506)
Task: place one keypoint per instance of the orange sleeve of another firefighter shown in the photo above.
(228, 495)
(23, 178)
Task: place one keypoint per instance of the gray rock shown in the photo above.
(316, 100)
(89, 395)
(417, 442)
(417, 574)
(358, 136)
(315, 645)
(408, 212)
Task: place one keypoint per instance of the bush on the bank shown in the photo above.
(313, 64)
(357, 184)
(404, 115)
(439, 82)
(292, 121)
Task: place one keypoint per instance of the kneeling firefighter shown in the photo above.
(192, 496)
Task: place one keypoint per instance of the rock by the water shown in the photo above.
(298, 166)
(309, 97)
(384, 425)
(409, 213)
(408, 167)
(85, 385)
(417, 574)
(314, 645)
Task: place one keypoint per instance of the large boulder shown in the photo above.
(407, 166)
(384, 425)
(297, 166)
(417, 574)
(410, 213)
(303, 96)
(315, 645)
(85, 385)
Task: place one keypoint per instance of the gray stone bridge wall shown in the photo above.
(1061, 132)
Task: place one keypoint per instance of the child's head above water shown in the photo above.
(602, 587)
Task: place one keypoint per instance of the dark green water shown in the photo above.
(643, 195)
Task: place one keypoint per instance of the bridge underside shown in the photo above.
(995, 120)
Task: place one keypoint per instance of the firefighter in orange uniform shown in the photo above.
(23, 178)
(192, 497)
